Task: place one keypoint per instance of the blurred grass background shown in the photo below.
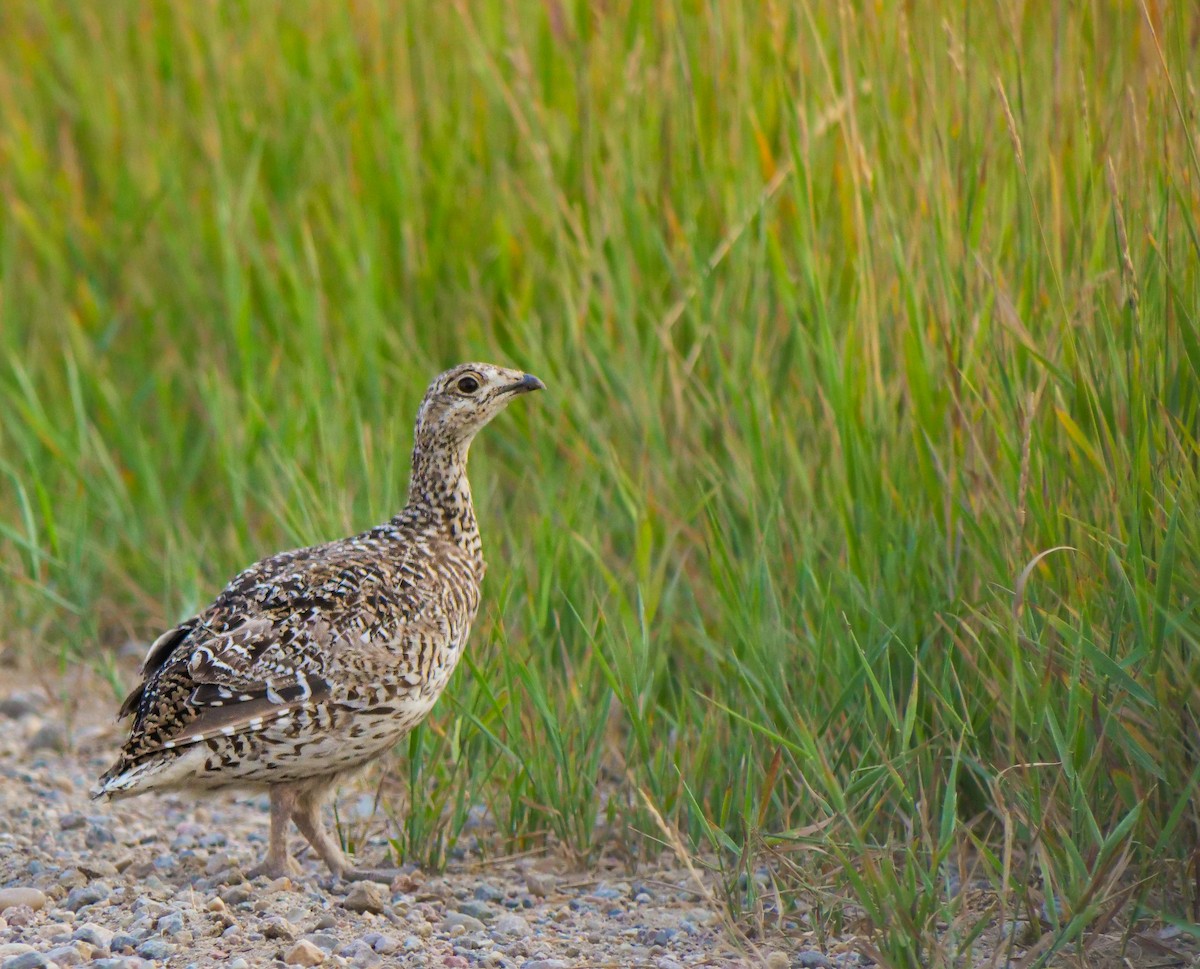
(850, 313)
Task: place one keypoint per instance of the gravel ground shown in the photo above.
(159, 881)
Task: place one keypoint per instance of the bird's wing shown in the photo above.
(264, 647)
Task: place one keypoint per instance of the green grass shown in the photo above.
(848, 316)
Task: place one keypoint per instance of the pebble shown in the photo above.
(50, 736)
(278, 928)
(171, 923)
(489, 893)
(29, 960)
(19, 915)
(66, 955)
(86, 895)
(811, 959)
(94, 934)
(304, 953)
(155, 949)
(546, 964)
(778, 960)
(122, 941)
(366, 897)
(538, 884)
(321, 940)
(19, 705)
(478, 910)
(511, 926)
(467, 923)
(31, 897)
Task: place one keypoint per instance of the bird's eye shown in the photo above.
(468, 384)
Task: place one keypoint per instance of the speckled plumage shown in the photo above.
(312, 662)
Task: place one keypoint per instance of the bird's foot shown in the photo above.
(273, 868)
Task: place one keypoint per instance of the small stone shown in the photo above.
(411, 943)
(171, 923)
(546, 964)
(71, 821)
(778, 960)
(19, 705)
(326, 921)
(642, 898)
(385, 945)
(699, 916)
(488, 893)
(122, 941)
(322, 940)
(510, 926)
(66, 955)
(155, 949)
(93, 934)
(538, 884)
(31, 897)
(277, 928)
(235, 895)
(50, 736)
(811, 959)
(29, 960)
(304, 953)
(86, 895)
(366, 897)
(468, 923)
(216, 905)
(239, 963)
(98, 836)
(98, 868)
(662, 936)
(19, 915)
(477, 909)
(666, 962)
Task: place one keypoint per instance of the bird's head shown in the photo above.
(464, 398)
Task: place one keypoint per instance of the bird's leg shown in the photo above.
(307, 815)
(278, 862)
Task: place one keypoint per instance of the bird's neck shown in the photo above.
(438, 491)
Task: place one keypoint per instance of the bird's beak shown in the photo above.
(527, 383)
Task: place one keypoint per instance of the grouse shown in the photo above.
(313, 662)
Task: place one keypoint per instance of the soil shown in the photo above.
(160, 880)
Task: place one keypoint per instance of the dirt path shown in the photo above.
(158, 880)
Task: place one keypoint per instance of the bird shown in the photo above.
(313, 662)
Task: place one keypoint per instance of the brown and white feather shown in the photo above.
(314, 661)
